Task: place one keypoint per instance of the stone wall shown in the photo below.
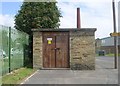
(37, 50)
(82, 50)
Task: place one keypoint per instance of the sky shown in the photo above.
(119, 17)
(93, 13)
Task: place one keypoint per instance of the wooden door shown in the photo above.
(48, 51)
(62, 50)
(55, 50)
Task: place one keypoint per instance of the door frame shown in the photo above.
(55, 45)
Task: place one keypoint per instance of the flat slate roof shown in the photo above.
(64, 29)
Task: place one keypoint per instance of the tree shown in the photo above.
(37, 15)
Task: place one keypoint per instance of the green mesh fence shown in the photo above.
(5, 49)
(13, 42)
(18, 40)
(1, 57)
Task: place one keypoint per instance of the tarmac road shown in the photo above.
(105, 62)
(103, 74)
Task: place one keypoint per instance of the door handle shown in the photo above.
(55, 49)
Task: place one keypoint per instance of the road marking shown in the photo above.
(29, 77)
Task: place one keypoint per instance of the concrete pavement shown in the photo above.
(104, 74)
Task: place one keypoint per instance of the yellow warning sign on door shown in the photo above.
(49, 40)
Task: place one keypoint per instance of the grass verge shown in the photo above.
(17, 76)
(109, 55)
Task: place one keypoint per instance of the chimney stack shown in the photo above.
(78, 18)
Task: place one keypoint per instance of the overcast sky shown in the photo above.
(94, 14)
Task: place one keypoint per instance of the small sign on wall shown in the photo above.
(49, 40)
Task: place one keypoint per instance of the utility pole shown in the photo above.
(115, 37)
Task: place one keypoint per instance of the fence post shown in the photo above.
(9, 49)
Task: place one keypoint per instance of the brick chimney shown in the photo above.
(78, 19)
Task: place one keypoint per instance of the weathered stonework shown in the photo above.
(81, 45)
(37, 50)
(82, 50)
